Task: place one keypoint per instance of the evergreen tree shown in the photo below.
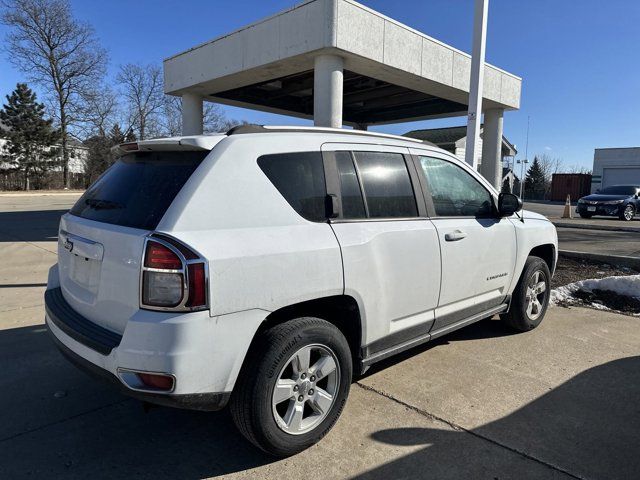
(115, 135)
(99, 157)
(535, 181)
(130, 136)
(30, 136)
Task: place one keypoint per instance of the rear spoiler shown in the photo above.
(172, 144)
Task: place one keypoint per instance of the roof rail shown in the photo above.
(252, 128)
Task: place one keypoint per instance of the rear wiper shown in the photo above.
(98, 204)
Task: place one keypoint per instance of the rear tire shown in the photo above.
(530, 299)
(627, 213)
(309, 361)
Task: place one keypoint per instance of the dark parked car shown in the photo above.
(616, 201)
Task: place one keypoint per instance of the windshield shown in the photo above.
(138, 189)
(619, 190)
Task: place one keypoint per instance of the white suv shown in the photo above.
(266, 267)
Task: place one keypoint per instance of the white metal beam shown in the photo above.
(477, 79)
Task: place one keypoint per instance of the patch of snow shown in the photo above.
(564, 294)
(627, 285)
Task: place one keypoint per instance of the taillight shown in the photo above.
(129, 147)
(160, 289)
(159, 256)
(173, 277)
(197, 285)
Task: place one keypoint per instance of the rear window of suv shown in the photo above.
(138, 189)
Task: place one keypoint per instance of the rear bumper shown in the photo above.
(76, 326)
(204, 354)
(194, 401)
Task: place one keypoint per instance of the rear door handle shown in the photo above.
(454, 236)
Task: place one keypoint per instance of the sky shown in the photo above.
(579, 59)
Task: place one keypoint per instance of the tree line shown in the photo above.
(537, 182)
(63, 57)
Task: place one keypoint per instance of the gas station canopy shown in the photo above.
(390, 72)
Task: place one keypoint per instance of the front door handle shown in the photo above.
(454, 236)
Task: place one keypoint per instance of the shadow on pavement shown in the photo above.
(30, 226)
(56, 422)
(587, 426)
(107, 435)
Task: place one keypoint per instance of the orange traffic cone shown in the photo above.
(567, 208)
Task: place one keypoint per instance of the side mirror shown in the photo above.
(508, 204)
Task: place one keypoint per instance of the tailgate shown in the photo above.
(99, 267)
(101, 240)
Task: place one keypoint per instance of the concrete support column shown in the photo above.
(491, 167)
(327, 91)
(191, 114)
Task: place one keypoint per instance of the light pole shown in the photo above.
(522, 163)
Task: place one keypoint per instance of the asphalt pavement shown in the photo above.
(557, 402)
(597, 235)
(554, 211)
(599, 241)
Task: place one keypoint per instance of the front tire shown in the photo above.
(627, 213)
(530, 298)
(293, 386)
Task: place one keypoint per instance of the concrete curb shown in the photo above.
(618, 260)
(591, 226)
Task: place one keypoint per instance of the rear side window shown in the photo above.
(299, 177)
(138, 189)
(352, 203)
(387, 185)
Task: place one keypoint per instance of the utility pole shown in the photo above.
(481, 12)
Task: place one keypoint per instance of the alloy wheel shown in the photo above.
(536, 293)
(306, 389)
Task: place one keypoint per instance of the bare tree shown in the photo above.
(213, 118)
(99, 110)
(56, 52)
(142, 88)
(577, 169)
(550, 165)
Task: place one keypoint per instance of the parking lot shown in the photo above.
(599, 235)
(557, 402)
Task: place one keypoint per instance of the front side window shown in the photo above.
(454, 191)
(387, 185)
(299, 177)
